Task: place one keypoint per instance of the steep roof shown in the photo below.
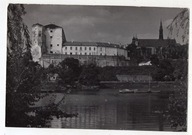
(155, 42)
(52, 26)
(37, 24)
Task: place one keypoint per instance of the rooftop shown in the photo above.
(99, 44)
(37, 24)
(155, 42)
(52, 26)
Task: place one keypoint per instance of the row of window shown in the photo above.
(51, 45)
(77, 53)
(80, 53)
(81, 48)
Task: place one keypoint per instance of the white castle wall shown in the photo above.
(54, 40)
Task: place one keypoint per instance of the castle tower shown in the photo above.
(55, 38)
(161, 31)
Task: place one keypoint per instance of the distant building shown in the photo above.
(54, 48)
(148, 47)
(93, 48)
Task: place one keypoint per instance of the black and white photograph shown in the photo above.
(97, 67)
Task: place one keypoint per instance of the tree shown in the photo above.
(134, 53)
(69, 71)
(177, 112)
(23, 75)
(179, 27)
(164, 71)
(89, 75)
(154, 60)
(23, 84)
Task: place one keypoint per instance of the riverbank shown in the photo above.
(166, 86)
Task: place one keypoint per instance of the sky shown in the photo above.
(102, 23)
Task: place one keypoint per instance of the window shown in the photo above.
(75, 48)
(51, 30)
(100, 53)
(100, 49)
(76, 53)
(80, 48)
(66, 53)
(70, 53)
(85, 53)
(85, 48)
(51, 45)
(39, 33)
(65, 48)
(57, 44)
(94, 48)
(51, 36)
(89, 48)
(51, 51)
(70, 48)
(89, 53)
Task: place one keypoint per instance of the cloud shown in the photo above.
(100, 23)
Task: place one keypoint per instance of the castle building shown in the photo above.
(49, 46)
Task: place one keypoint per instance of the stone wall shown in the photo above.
(100, 61)
(134, 78)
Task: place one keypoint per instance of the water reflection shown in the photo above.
(110, 110)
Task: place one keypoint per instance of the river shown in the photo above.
(108, 109)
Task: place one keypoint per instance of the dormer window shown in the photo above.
(51, 45)
(51, 36)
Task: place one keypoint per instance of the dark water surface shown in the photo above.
(107, 109)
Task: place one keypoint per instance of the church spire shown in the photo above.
(161, 31)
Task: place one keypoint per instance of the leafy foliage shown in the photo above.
(179, 27)
(89, 75)
(178, 102)
(154, 60)
(134, 53)
(69, 71)
(23, 75)
(177, 108)
(164, 71)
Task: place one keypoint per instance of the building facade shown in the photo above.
(51, 46)
(148, 47)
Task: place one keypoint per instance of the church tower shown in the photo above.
(161, 31)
